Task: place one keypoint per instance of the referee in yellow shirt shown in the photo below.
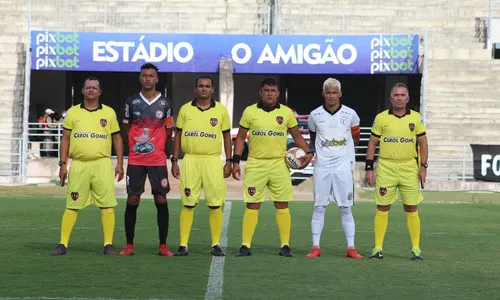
(89, 130)
(399, 130)
(267, 124)
(202, 127)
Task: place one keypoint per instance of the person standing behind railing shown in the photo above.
(46, 122)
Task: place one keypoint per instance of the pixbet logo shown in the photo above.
(57, 50)
(391, 54)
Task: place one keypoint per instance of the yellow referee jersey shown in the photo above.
(398, 135)
(267, 130)
(91, 131)
(202, 128)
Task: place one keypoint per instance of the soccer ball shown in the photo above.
(293, 157)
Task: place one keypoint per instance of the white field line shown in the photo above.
(216, 277)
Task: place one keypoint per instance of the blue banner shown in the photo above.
(200, 53)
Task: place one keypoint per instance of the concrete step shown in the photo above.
(459, 106)
(464, 65)
(453, 53)
(456, 42)
(476, 128)
(464, 85)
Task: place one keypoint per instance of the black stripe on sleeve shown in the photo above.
(66, 129)
(225, 131)
(375, 135)
(421, 134)
(244, 127)
(116, 132)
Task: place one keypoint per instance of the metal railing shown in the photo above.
(453, 168)
(11, 161)
(45, 142)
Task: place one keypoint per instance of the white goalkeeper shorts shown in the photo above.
(333, 185)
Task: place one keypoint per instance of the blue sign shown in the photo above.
(201, 53)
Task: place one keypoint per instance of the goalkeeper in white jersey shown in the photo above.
(334, 131)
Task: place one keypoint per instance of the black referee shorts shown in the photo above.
(157, 175)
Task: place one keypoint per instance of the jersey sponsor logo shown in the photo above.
(90, 135)
(279, 119)
(411, 126)
(187, 192)
(164, 182)
(196, 133)
(252, 190)
(144, 138)
(127, 109)
(144, 148)
(382, 191)
(104, 122)
(398, 139)
(159, 114)
(136, 101)
(267, 133)
(333, 143)
(349, 196)
(137, 113)
(213, 121)
(163, 103)
(74, 196)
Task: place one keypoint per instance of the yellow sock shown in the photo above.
(250, 220)
(68, 221)
(381, 220)
(186, 219)
(108, 224)
(284, 222)
(413, 221)
(215, 221)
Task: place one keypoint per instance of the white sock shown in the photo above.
(318, 220)
(348, 224)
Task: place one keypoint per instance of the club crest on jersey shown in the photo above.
(279, 119)
(163, 103)
(411, 126)
(159, 114)
(164, 182)
(213, 121)
(74, 196)
(251, 191)
(187, 192)
(344, 120)
(104, 122)
(382, 191)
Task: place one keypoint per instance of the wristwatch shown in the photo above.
(173, 159)
(425, 165)
(60, 163)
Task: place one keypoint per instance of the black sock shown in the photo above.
(162, 219)
(130, 218)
